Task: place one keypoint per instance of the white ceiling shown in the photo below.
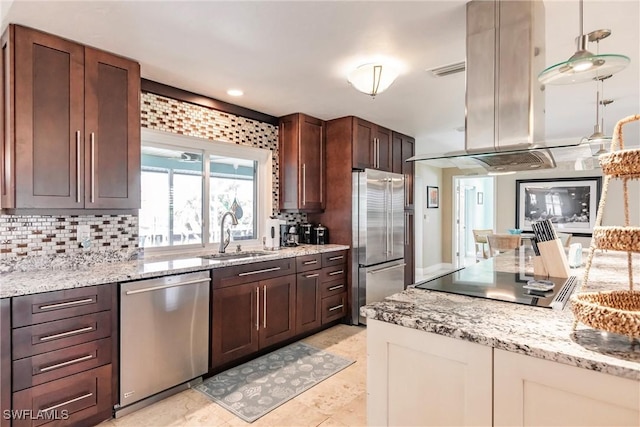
(294, 56)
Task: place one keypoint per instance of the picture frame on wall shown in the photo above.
(570, 204)
(433, 197)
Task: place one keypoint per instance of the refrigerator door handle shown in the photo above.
(390, 232)
(381, 270)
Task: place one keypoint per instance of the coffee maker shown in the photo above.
(288, 235)
(306, 233)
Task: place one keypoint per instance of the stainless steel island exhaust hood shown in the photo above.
(504, 129)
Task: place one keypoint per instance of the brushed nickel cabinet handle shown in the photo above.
(311, 276)
(68, 362)
(304, 184)
(50, 408)
(93, 165)
(378, 160)
(333, 288)
(333, 273)
(266, 270)
(315, 261)
(337, 307)
(264, 303)
(66, 334)
(257, 309)
(78, 171)
(66, 304)
(334, 258)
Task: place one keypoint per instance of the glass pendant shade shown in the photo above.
(372, 79)
(584, 66)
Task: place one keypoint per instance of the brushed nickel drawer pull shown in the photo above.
(333, 273)
(310, 276)
(66, 304)
(68, 362)
(315, 261)
(266, 270)
(50, 408)
(156, 288)
(333, 288)
(66, 334)
(334, 258)
(337, 307)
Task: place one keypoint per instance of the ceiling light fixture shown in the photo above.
(373, 78)
(235, 92)
(584, 65)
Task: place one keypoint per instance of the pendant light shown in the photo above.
(583, 65)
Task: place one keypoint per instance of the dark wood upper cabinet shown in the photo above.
(371, 146)
(72, 128)
(404, 148)
(302, 163)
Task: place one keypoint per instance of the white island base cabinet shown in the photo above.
(536, 392)
(416, 378)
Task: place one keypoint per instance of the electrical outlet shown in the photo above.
(84, 232)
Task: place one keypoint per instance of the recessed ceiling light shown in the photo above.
(235, 92)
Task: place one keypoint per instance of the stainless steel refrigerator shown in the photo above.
(377, 239)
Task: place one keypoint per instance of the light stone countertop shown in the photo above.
(31, 282)
(532, 331)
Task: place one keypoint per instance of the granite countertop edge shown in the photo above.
(404, 314)
(16, 284)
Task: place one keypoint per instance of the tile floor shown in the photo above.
(338, 401)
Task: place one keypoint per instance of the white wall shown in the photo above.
(614, 210)
(428, 222)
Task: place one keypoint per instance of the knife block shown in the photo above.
(538, 267)
(554, 258)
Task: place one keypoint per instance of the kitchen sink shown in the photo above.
(235, 255)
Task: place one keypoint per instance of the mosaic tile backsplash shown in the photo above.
(32, 242)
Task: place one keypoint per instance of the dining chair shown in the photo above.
(480, 239)
(565, 238)
(502, 243)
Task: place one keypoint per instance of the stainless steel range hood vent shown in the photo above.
(505, 103)
(516, 161)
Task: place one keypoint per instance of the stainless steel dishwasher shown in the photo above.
(164, 337)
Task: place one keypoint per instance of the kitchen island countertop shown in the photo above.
(31, 282)
(533, 331)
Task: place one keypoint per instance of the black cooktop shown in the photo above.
(482, 280)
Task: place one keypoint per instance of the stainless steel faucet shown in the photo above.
(225, 242)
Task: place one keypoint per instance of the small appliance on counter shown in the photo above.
(272, 240)
(306, 233)
(320, 235)
(288, 235)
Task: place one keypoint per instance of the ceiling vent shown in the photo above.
(447, 70)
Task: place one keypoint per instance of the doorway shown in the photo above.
(474, 209)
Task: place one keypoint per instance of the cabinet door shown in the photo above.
(384, 149)
(234, 328)
(49, 121)
(112, 125)
(363, 144)
(418, 378)
(530, 391)
(409, 247)
(307, 301)
(277, 309)
(312, 177)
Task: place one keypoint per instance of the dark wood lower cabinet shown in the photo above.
(234, 329)
(308, 301)
(277, 309)
(80, 399)
(5, 360)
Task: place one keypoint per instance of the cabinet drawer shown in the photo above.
(334, 258)
(32, 371)
(37, 339)
(334, 307)
(308, 262)
(253, 272)
(333, 287)
(48, 306)
(338, 272)
(72, 400)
